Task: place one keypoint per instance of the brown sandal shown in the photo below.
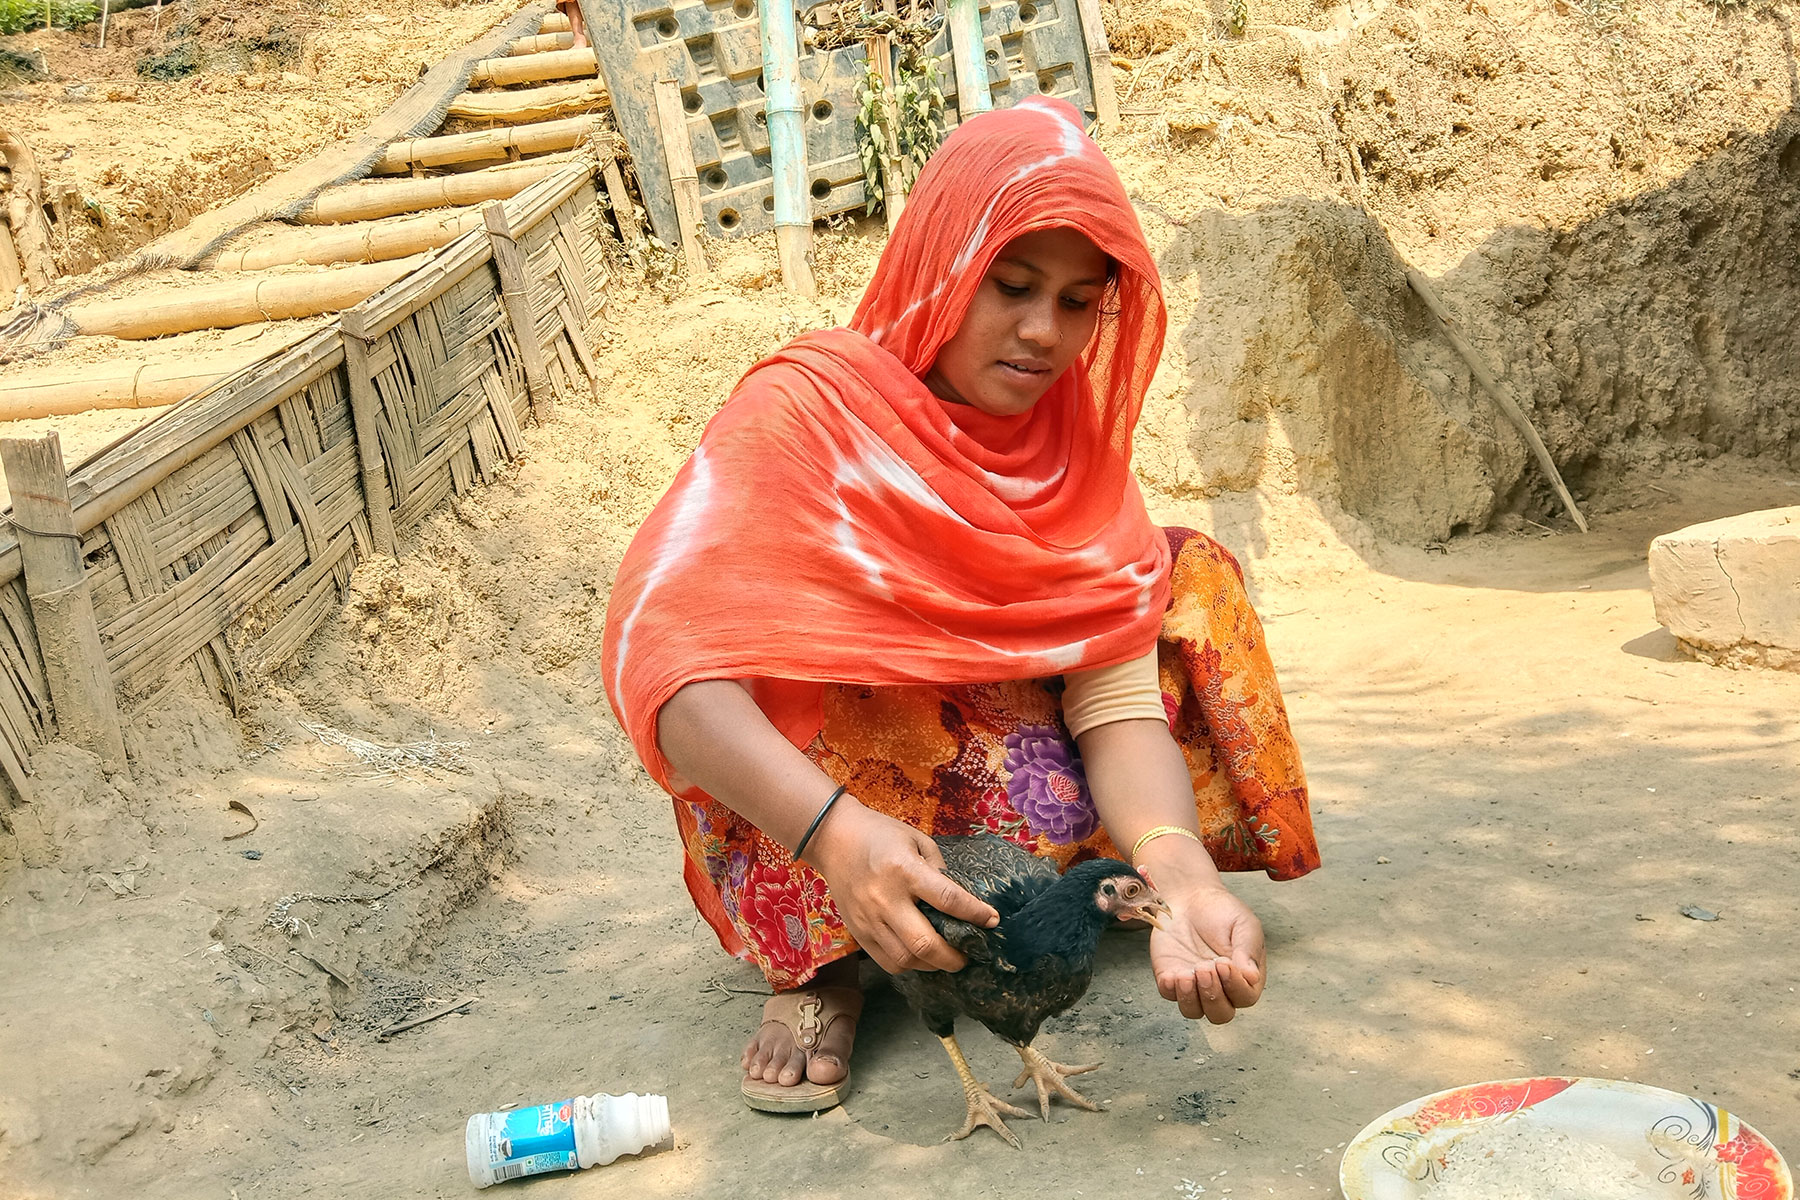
(808, 1014)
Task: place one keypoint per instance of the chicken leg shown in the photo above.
(1052, 1077)
(981, 1102)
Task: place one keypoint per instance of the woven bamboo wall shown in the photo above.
(221, 535)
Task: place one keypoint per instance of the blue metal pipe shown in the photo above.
(785, 112)
(968, 53)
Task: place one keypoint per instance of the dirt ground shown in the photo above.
(1517, 782)
(1517, 777)
(128, 157)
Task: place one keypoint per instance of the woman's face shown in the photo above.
(1033, 314)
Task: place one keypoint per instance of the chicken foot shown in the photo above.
(981, 1102)
(1052, 1077)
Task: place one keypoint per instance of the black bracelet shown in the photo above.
(814, 827)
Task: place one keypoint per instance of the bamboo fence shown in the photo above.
(219, 536)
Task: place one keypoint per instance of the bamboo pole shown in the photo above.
(373, 198)
(968, 55)
(105, 19)
(531, 104)
(880, 50)
(1099, 56)
(555, 23)
(515, 298)
(365, 405)
(679, 152)
(81, 691)
(361, 241)
(25, 213)
(624, 210)
(488, 143)
(541, 43)
(1493, 387)
(535, 68)
(553, 158)
(787, 145)
(242, 301)
(61, 391)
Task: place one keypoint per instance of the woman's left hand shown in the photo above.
(1208, 958)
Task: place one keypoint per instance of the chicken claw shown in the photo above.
(1052, 1077)
(981, 1102)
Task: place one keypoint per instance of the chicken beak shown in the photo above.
(1148, 912)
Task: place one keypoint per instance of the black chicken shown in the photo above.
(1033, 965)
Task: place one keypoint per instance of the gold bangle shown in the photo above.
(1150, 835)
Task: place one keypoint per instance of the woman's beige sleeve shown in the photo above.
(1125, 692)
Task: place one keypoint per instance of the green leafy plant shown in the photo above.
(17, 16)
(914, 121)
(1237, 17)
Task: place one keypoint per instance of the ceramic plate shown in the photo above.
(1690, 1149)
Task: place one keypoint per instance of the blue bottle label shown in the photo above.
(530, 1141)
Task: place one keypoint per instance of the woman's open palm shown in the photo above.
(1208, 957)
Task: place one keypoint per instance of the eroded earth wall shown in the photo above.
(1661, 329)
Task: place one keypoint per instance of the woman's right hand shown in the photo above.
(877, 868)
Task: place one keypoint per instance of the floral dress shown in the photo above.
(998, 758)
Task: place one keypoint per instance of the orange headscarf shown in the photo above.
(840, 523)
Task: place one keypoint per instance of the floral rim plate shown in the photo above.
(1692, 1149)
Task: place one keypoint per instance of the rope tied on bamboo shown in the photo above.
(49, 533)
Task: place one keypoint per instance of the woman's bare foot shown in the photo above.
(774, 1054)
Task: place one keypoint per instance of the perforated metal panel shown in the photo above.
(713, 48)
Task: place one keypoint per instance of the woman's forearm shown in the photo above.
(877, 868)
(713, 733)
(1139, 781)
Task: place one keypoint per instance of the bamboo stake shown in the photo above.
(787, 145)
(1099, 56)
(488, 143)
(61, 391)
(389, 197)
(365, 405)
(25, 213)
(531, 104)
(1493, 387)
(968, 55)
(242, 301)
(361, 241)
(12, 276)
(679, 152)
(535, 68)
(541, 43)
(105, 16)
(515, 297)
(87, 711)
(880, 50)
(624, 210)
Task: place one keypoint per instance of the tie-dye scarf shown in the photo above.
(839, 523)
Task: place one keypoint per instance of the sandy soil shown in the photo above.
(1517, 778)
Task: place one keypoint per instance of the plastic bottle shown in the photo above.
(588, 1131)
